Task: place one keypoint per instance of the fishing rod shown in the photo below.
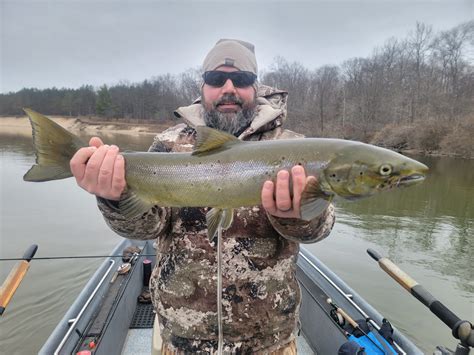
(352, 322)
(461, 329)
(74, 257)
(15, 277)
(18, 272)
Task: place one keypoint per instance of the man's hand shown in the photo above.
(100, 169)
(277, 199)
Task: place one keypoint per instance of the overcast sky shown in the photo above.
(70, 43)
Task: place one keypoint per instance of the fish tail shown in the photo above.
(54, 147)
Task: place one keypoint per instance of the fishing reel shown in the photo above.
(337, 318)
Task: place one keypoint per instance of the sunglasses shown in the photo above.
(240, 79)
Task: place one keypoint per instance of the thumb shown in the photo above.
(95, 142)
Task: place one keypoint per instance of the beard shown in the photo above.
(231, 122)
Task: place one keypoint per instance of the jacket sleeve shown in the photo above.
(150, 225)
(298, 230)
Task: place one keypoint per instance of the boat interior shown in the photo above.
(110, 316)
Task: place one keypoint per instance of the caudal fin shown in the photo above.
(54, 148)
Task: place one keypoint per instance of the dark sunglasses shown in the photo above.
(240, 79)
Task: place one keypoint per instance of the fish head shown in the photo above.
(361, 170)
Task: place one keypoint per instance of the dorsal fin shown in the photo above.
(209, 139)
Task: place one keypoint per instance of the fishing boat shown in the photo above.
(108, 318)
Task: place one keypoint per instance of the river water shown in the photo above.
(428, 230)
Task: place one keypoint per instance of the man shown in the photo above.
(260, 295)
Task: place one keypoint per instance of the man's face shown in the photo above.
(228, 108)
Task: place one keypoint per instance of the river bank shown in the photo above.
(21, 126)
(96, 126)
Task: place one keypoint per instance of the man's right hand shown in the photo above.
(100, 169)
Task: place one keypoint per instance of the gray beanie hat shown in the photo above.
(233, 53)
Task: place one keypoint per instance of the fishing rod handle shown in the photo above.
(397, 274)
(347, 317)
(11, 283)
(424, 296)
(419, 292)
(445, 314)
(373, 254)
(15, 277)
(342, 313)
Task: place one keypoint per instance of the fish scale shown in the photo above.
(217, 180)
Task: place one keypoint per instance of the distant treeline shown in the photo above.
(416, 92)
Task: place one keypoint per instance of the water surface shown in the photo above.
(426, 229)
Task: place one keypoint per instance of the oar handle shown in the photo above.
(15, 277)
(457, 325)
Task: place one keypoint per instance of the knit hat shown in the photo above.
(233, 53)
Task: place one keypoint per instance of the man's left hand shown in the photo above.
(276, 198)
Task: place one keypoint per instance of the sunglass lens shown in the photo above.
(240, 79)
(215, 78)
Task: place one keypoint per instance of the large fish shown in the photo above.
(224, 172)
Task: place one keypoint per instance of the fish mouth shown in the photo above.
(410, 180)
(407, 180)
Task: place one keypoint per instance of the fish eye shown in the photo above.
(385, 169)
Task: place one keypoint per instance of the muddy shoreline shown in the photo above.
(21, 126)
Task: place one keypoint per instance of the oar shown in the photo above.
(15, 277)
(462, 329)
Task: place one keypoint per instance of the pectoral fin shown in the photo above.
(134, 206)
(314, 201)
(216, 218)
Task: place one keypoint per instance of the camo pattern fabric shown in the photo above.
(260, 295)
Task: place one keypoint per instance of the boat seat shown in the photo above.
(156, 341)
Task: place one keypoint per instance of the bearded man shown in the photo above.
(260, 294)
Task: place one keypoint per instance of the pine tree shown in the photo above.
(104, 104)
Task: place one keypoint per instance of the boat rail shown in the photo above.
(81, 312)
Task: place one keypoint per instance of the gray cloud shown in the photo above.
(68, 44)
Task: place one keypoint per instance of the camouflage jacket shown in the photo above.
(261, 296)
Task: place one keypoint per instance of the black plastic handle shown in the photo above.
(373, 254)
(30, 252)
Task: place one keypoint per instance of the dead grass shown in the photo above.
(439, 137)
(460, 141)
